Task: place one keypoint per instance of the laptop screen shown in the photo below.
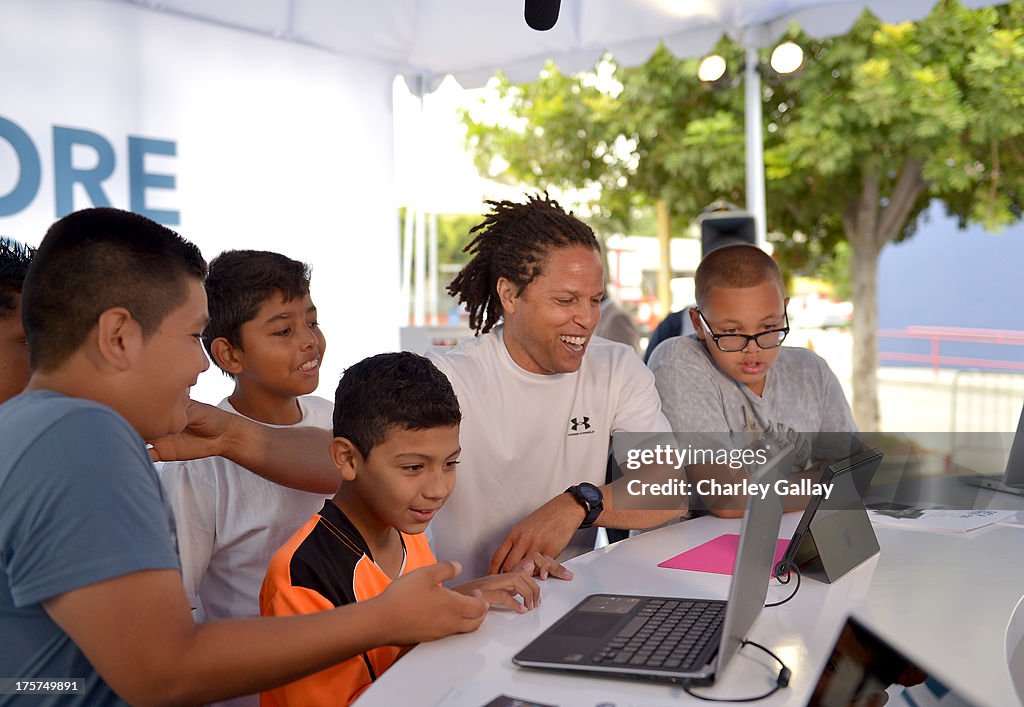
(759, 535)
(864, 670)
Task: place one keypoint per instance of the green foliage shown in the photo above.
(940, 94)
(453, 236)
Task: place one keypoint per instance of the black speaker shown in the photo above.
(719, 228)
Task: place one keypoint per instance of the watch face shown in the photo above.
(591, 494)
(590, 497)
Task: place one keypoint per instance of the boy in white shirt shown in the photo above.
(263, 333)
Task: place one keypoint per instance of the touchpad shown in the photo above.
(609, 604)
(587, 625)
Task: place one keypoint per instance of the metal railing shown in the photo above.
(983, 402)
(937, 336)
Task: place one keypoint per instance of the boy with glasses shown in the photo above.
(731, 384)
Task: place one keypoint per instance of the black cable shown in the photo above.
(369, 667)
(787, 567)
(780, 682)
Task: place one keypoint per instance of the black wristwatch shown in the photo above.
(592, 500)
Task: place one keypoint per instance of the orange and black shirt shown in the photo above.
(324, 565)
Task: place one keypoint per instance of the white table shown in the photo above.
(945, 600)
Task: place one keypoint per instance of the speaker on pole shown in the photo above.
(721, 228)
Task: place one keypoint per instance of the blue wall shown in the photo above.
(947, 277)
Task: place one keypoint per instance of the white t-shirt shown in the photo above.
(230, 522)
(526, 437)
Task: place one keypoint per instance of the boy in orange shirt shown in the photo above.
(396, 444)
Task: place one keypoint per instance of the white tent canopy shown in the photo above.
(470, 39)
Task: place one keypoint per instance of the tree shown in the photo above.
(883, 121)
(879, 123)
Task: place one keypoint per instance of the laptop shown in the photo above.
(864, 669)
(671, 639)
(834, 534)
(1012, 480)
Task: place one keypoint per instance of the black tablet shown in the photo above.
(844, 535)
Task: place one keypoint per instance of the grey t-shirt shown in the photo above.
(801, 397)
(80, 503)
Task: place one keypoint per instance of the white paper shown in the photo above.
(941, 520)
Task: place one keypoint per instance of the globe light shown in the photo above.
(711, 69)
(787, 58)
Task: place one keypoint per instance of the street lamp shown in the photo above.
(787, 58)
(712, 68)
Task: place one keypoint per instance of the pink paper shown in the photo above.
(718, 555)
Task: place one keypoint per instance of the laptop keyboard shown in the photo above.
(664, 634)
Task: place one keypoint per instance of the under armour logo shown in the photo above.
(576, 422)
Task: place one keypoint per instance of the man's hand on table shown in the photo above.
(546, 531)
(542, 566)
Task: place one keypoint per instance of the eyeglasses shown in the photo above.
(731, 343)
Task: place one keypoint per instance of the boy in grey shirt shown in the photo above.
(731, 384)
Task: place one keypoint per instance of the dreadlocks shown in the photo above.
(14, 261)
(513, 242)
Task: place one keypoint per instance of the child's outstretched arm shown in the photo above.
(293, 456)
(138, 631)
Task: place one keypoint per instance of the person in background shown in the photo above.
(675, 324)
(615, 324)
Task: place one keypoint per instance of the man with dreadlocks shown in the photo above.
(14, 369)
(540, 396)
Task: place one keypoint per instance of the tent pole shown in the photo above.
(420, 265)
(419, 228)
(407, 236)
(432, 280)
(755, 147)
